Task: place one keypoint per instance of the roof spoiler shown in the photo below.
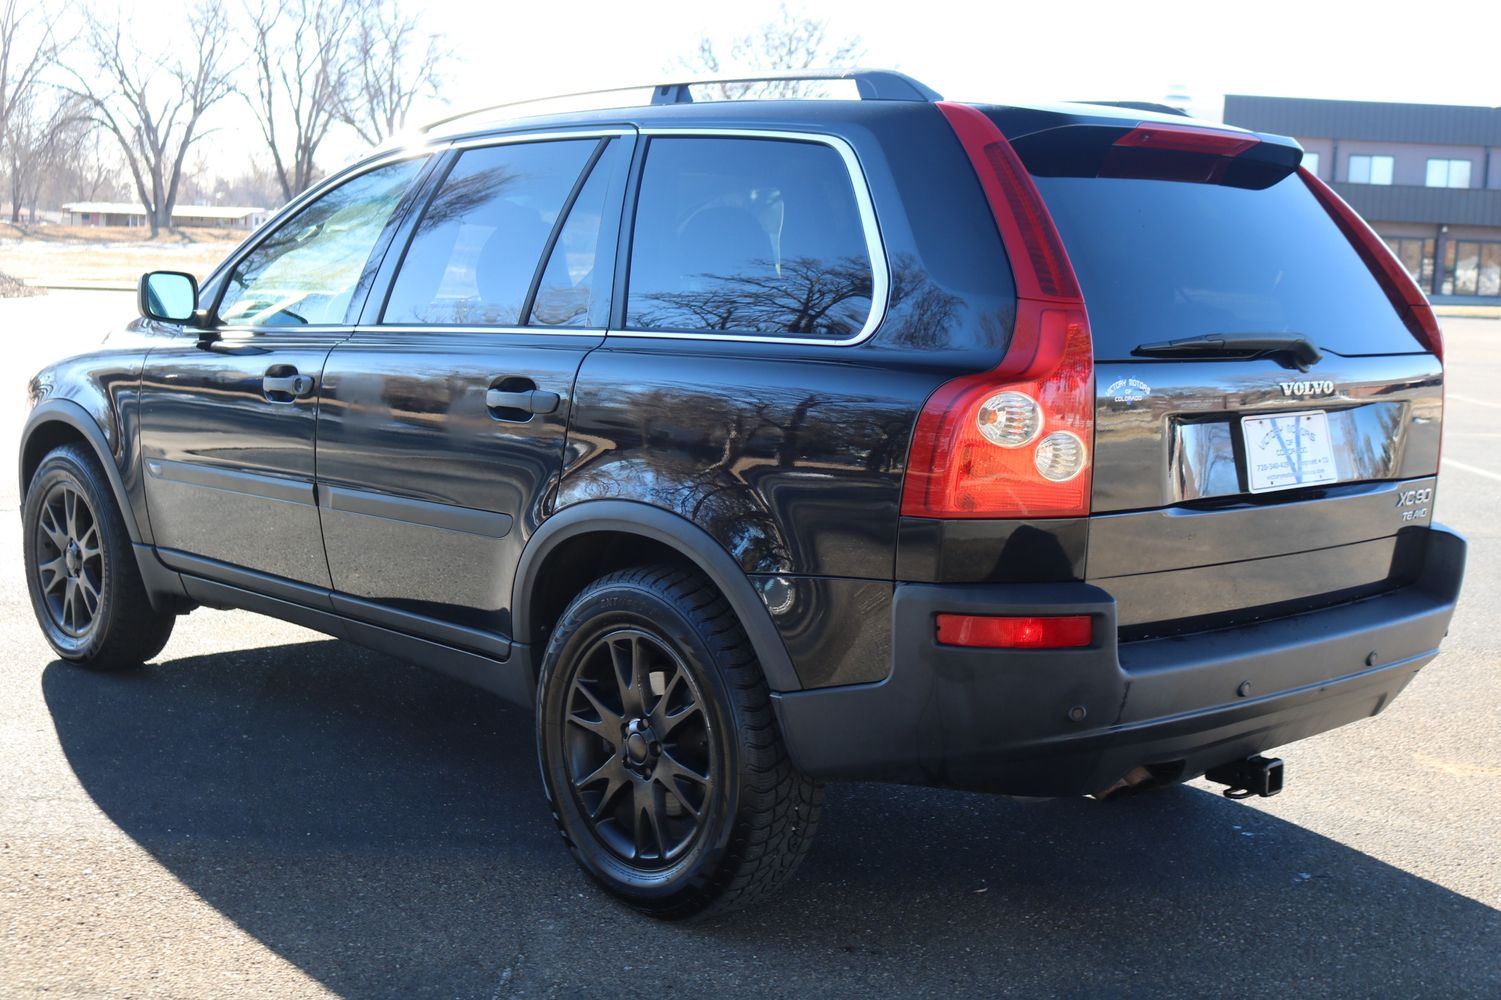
(1202, 154)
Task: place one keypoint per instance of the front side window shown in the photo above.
(306, 271)
(1448, 174)
(1370, 169)
(473, 256)
(748, 236)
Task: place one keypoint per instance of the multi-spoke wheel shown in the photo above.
(659, 751)
(85, 586)
(639, 748)
(70, 559)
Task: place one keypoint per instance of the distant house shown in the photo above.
(124, 213)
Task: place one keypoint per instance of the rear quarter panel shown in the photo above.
(792, 456)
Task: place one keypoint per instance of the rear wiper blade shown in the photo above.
(1293, 347)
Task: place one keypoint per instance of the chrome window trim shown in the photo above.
(348, 330)
(859, 184)
(435, 148)
(880, 288)
(285, 328)
(428, 329)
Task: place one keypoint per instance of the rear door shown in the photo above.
(444, 417)
(228, 415)
(1232, 484)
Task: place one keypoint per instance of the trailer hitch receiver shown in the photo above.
(1252, 776)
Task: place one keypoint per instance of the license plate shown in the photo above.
(1285, 450)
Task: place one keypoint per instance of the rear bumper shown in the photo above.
(1005, 720)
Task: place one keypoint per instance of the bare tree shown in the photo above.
(255, 185)
(394, 63)
(27, 49)
(154, 105)
(91, 172)
(303, 67)
(791, 41)
(43, 141)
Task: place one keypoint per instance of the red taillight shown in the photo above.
(1188, 140)
(1405, 295)
(1008, 632)
(1038, 260)
(955, 469)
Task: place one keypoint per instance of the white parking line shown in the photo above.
(1472, 399)
(1487, 473)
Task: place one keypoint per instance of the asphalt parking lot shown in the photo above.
(266, 812)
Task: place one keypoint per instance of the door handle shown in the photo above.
(526, 400)
(293, 385)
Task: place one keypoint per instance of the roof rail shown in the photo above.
(872, 85)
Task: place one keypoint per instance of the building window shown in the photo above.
(1448, 173)
(1311, 162)
(1416, 254)
(1365, 169)
(1472, 268)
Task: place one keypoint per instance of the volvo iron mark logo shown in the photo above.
(1317, 387)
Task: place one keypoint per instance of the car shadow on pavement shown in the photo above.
(383, 829)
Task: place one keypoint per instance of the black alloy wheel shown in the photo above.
(659, 750)
(81, 570)
(639, 748)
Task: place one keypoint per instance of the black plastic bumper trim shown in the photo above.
(1064, 722)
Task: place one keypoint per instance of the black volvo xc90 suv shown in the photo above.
(1044, 450)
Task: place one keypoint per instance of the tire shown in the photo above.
(81, 572)
(696, 807)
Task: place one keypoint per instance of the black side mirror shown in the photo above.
(168, 296)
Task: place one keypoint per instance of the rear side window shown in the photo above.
(1159, 260)
(473, 256)
(748, 236)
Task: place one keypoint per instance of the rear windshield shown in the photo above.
(1159, 260)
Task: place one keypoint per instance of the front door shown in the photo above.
(443, 419)
(228, 415)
